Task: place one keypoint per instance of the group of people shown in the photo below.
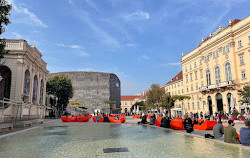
(229, 134)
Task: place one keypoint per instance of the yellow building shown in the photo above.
(127, 101)
(175, 87)
(217, 68)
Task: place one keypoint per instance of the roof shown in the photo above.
(163, 88)
(132, 97)
(233, 23)
(178, 77)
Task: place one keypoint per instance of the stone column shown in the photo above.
(134, 109)
(137, 109)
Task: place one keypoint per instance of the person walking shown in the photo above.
(230, 134)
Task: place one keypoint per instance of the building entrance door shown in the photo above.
(209, 100)
(229, 98)
(219, 102)
(5, 82)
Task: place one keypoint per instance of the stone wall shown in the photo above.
(93, 88)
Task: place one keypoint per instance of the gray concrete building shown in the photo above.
(93, 88)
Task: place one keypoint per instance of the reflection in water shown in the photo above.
(89, 140)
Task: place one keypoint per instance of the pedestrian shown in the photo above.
(230, 134)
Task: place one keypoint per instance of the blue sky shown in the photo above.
(139, 40)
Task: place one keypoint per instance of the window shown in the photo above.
(35, 87)
(181, 91)
(196, 75)
(204, 103)
(243, 74)
(202, 84)
(192, 87)
(194, 64)
(206, 58)
(191, 77)
(228, 71)
(217, 74)
(178, 85)
(201, 73)
(117, 85)
(239, 44)
(248, 39)
(190, 66)
(178, 91)
(198, 105)
(187, 79)
(186, 69)
(182, 83)
(26, 89)
(175, 85)
(197, 87)
(208, 76)
(200, 62)
(125, 103)
(215, 54)
(41, 92)
(193, 105)
(225, 49)
(193, 97)
(197, 96)
(188, 106)
(187, 88)
(241, 59)
(175, 93)
(172, 86)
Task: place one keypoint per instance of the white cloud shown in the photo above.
(175, 64)
(136, 16)
(75, 46)
(145, 57)
(82, 54)
(92, 4)
(60, 45)
(17, 35)
(29, 18)
(130, 45)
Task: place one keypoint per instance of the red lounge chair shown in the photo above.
(83, 118)
(68, 118)
(178, 118)
(101, 120)
(176, 124)
(113, 120)
(207, 125)
(158, 121)
(149, 116)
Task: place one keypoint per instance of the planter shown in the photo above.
(233, 118)
(241, 119)
(224, 118)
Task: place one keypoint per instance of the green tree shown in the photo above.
(245, 94)
(4, 13)
(141, 104)
(61, 87)
(154, 96)
(111, 103)
(167, 102)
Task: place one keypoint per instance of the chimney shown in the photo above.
(230, 22)
(202, 39)
(182, 53)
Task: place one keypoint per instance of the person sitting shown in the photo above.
(196, 121)
(144, 119)
(168, 123)
(245, 134)
(164, 122)
(152, 120)
(188, 124)
(230, 134)
(218, 131)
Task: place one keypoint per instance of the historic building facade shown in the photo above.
(23, 77)
(92, 89)
(175, 87)
(217, 68)
(127, 102)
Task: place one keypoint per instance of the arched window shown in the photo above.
(228, 71)
(208, 76)
(35, 87)
(217, 74)
(26, 89)
(41, 92)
